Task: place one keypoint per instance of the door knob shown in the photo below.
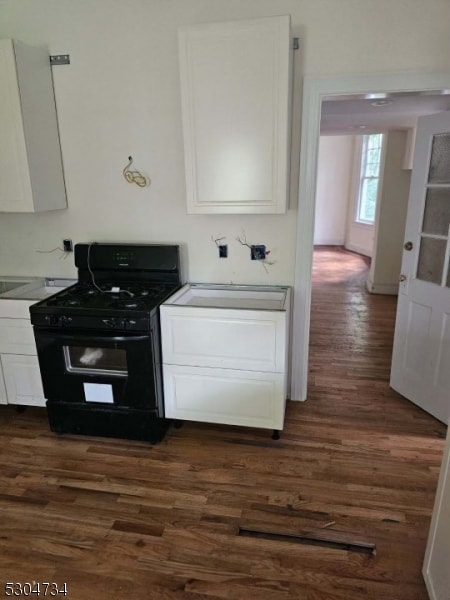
(402, 278)
(408, 246)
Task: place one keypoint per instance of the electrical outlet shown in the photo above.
(258, 252)
(67, 246)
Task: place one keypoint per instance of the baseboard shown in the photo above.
(388, 289)
(358, 249)
(329, 242)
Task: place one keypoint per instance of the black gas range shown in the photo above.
(98, 342)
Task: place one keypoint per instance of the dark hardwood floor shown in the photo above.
(357, 462)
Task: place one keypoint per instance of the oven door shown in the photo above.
(110, 370)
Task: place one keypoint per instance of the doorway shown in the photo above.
(315, 91)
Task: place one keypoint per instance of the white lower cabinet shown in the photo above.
(20, 377)
(225, 354)
(224, 396)
(22, 380)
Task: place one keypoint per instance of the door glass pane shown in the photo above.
(431, 260)
(436, 218)
(440, 159)
(81, 359)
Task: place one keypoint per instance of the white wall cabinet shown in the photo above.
(31, 172)
(235, 91)
(225, 354)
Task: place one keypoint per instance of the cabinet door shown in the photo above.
(3, 398)
(235, 89)
(224, 396)
(23, 380)
(238, 339)
(15, 189)
(31, 172)
(16, 337)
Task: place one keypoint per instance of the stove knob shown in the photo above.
(65, 321)
(109, 322)
(51, 319)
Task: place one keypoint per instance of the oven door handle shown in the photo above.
(97, 339)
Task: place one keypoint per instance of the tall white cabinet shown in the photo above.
(235, 91)
(31, 171)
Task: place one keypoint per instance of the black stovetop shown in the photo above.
(127, 296)
(119, 286)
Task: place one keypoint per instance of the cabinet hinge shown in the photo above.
(295, 43)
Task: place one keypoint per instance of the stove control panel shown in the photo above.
(85, 322)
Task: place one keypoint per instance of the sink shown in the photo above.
(231, 296)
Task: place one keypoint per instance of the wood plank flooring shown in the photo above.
(126, 520)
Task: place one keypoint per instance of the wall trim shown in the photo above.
(358, 249)
(330, 242)
(314, 89)
(389, 289)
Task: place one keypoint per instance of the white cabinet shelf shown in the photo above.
(225, 354)
(31, 172)
(235, 92)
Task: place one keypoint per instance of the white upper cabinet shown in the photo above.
(31, 172)
(235, 91)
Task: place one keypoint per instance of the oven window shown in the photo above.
(100, 361)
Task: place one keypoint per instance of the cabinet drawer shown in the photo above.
(16, 337)
(244, 340)
(23, 380)
(224, 396)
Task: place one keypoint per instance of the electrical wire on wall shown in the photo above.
(134, 176)
(64, 253)
(258, 252)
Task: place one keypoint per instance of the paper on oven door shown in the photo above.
(98, 392)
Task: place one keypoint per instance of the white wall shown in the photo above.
(391, 218)
(334, 173)
(120, 96)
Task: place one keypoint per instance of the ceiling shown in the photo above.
(372, 113)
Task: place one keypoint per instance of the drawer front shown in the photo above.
(224, 396)
(205, 338)
(16, 337)
(23, 380)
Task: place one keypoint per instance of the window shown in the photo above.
(369, 178)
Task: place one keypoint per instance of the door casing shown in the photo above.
(314, 90)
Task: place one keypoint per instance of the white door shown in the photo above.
(421, 353)
(437, 556)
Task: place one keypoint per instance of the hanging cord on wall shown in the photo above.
(64, 254)
(135, 176)
(93, 278)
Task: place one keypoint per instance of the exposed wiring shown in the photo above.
(217, 240)
(64, 254)
(242, 239)
(135, 176)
